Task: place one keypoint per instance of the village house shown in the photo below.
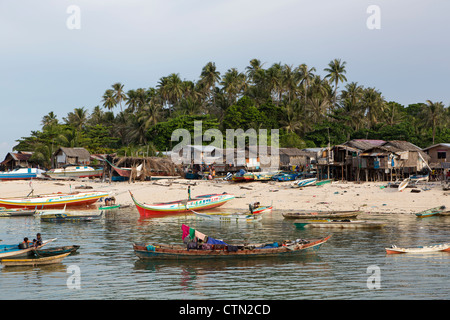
(17, 159)
(66, 156)
(439, 159)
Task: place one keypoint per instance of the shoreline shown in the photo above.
(369, 197)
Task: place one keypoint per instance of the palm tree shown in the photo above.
(109, 102)
(434, 112)
(209, 77)
(274, 81)
(374, 105)
(336, 72)
(233, 83)
(119, 95)
(49, 119)
(77, 118)
(305, 76)
(253, 70)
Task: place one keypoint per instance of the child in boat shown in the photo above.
(25, 244)
(37, 242)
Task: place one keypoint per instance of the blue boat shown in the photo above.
(14, 250)
(285, 176)
(21, 174)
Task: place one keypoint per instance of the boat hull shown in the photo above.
(155, 252)
(53, 201)
(200, 203)
(339, 224)
(14, 250)
(80, 174)
(34, 261)
(321, 215)
(426, 249)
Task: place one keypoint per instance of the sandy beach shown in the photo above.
(369, 197)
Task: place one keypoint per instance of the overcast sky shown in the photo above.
(46, 66)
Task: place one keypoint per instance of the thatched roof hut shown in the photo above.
(143, 167)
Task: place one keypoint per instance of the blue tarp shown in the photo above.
(214, 241)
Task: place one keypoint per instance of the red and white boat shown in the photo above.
(445, 247)
(207, 201)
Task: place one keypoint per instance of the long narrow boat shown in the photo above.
(307, 182)
(56, 200)
(21, 174)
(228, 251)
(322, 214)
(202, 202)
(224, 217)
(445, 247)
(322, 182)
(430, 212)
(343, 224)
(16, 212)
(14, 249)
(54, 251)
(52, 259)
(403, 185)
(69, 216)
(74, 172)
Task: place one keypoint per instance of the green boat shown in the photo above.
(115, 206)
(430, 212)
(319, 183)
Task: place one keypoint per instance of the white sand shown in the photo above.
(369, 197)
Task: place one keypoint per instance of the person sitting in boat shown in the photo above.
(38, 241)
(25, 244)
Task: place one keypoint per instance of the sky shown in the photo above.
(56, 59)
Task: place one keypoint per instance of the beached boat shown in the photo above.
(306, 182)
(21, 174)
(216, 249)
(52, 259)
(54, 251)
(65, 216)
(207, 201)
(229, 217)
(321, 214)
(350, 224)
(74, 172)
(403, 184)
(262, 176)
(285, 176)
(55, 200)
(430, 212)
(16, 212)
(246, 177)
(322, 182)
(445, 247)
(14, 250)
(417, 178)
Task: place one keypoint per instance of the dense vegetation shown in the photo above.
(307, 109)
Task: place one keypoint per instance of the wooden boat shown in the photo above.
(306, 182)
(57, 216)
(430, 212)
(16, 212)
(218, 249)
(321, 183)
(285, 176)
(254, 215)
(111, 207)
(403, 184)
(74, 172)
(21, 174)
(351, 224)
(417, 178)
(425, 249)
(246, 177)
(229, 217)
(322, 215)
(14, 249)
(54, 251)
(207, 201)
(262, 176)
(52, 259)
(55, 200)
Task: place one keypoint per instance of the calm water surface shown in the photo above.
(339, 270)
